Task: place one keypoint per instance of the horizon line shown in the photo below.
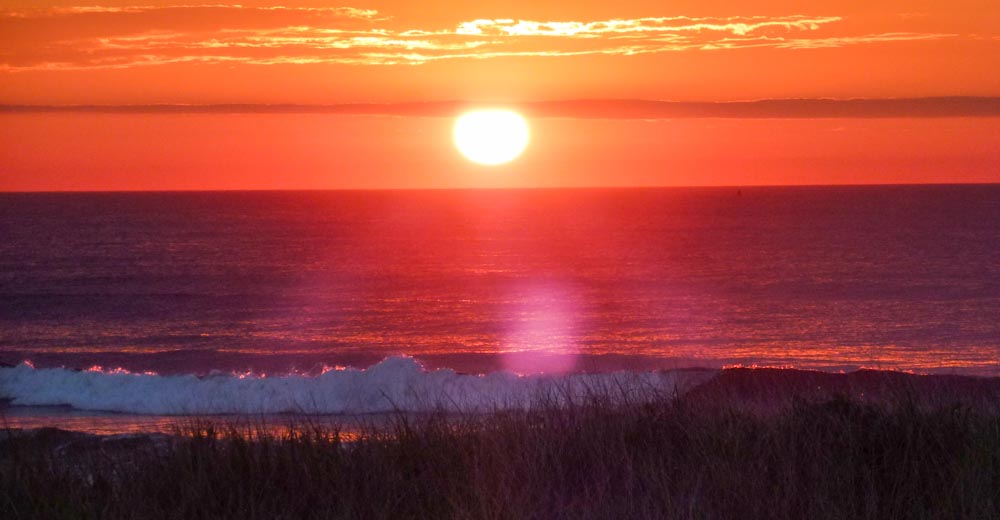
(773, 108)
(515, 188)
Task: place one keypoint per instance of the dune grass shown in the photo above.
(835, 457)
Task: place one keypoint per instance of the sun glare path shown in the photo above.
(491, 137)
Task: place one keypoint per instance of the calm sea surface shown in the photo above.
(549, 280)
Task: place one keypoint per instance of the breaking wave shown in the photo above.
(395, 384)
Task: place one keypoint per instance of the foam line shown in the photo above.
(395, 384)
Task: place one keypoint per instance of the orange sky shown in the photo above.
(155, 52)
(148, 52)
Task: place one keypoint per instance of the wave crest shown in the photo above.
(395, 384)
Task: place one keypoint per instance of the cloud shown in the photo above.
(94, 37)
(604, 109)
(640, 26)
(45, 12)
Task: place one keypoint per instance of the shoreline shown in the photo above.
(742, 388)
(818, 446)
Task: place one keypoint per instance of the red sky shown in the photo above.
(155, 52)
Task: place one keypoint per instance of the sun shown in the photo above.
(491, 137)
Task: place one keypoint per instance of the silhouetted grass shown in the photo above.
(834, 457)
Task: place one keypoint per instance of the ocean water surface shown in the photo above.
(241, 285)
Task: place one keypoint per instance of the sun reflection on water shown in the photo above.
(541, 335)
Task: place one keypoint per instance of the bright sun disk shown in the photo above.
(492, 136)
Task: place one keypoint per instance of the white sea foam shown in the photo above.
(395, 384)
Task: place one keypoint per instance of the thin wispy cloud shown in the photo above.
(595, 108)
(42, 12)
(647, 26)
(95, 37)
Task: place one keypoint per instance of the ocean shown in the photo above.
(141, 295)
